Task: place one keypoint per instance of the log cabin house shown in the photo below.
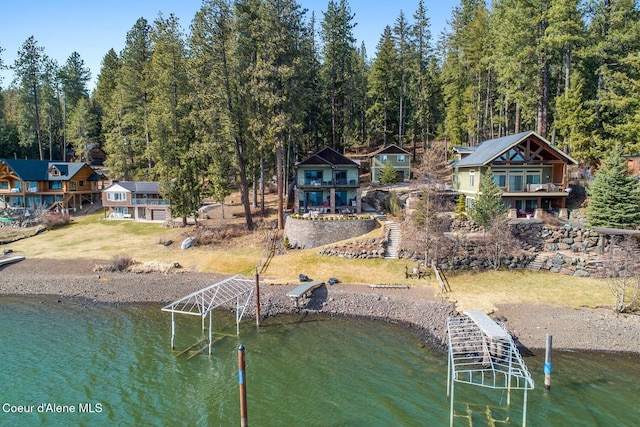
(48, 184)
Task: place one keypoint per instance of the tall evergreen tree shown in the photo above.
(488, 206)
(614, 195)
(73, 77)
(338, 46)
(29, 68)
(128, 140)
(383, 92)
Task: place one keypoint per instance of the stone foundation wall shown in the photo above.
(310, 233)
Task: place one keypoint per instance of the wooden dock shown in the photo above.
(303, 289)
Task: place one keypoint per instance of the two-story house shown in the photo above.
(44, 184)
(138, 200)
(395, 156)
(327, 182)
(531, 172)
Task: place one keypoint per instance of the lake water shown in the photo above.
(113, 365)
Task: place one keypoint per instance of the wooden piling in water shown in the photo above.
(547, 362)
(242, 382)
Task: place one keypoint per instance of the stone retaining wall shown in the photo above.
(304, 233)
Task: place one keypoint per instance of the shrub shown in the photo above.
(55, 219)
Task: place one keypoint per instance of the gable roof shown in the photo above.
(149, 187)
(390, 149)
(328, 157)
(488, 150)
(46, 170)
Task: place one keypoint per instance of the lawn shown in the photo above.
(94, 238)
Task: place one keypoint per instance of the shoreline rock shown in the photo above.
(417, 308)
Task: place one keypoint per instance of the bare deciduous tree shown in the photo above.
(622, 269)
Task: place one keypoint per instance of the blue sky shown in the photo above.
(92, 27)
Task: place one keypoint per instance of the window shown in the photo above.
(500, 179)
(73, 186)
(383, 158)
(116, 197)
(313, 177)
(516, 181)
(341, 177)
(314, 198)
(81, 183)
(4, 185)
(401, 158)
(472, 178)
(55, 185)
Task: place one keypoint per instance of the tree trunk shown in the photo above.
(280, 188)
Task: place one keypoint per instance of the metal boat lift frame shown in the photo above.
(482, 353)
(201, 303)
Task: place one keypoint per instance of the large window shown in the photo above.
(341, 177)
(116, 197)
(314, 198)
(500, 179)
(313, 177)
(55, 185)
(516, 181)
(4, 185)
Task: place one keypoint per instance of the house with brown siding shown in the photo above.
(138, 200)
(48, 184)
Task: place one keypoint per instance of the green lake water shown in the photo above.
(113, 365)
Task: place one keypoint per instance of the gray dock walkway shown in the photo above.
(303, 289)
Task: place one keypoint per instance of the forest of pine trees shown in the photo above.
(255, 85)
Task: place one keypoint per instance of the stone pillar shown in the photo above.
(359, 200)
(513, 213)
(296, 201)
(332, 200)
(539, 213)
(563, 214)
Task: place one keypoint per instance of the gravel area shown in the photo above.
(416, 307)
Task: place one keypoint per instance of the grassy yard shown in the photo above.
(93, 238)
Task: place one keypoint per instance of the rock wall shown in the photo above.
(304, 233)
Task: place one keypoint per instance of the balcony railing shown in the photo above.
(155, 202)
(534, 188)
(334, 183)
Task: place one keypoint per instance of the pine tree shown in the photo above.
(388, 175)
(461, 207)
(383, 92)
(29, 69)
(488, 206)
(614, 196)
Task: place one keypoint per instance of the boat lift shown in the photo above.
(482, 353)
(201, 303)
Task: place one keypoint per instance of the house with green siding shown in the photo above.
(327, 182)
(532, 173)
(392, 155)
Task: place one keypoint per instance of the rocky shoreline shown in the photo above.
(416, 307)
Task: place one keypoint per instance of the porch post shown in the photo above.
(332, 199)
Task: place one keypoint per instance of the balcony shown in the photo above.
(150, 202)
(534, 188)
(330, 184)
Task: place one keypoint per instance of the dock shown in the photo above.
(303, 289)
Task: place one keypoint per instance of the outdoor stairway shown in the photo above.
(538, 262)
(391, 252)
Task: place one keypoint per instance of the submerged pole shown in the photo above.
(257, 298)
(173, 328)
(547, 362)
(242, 382)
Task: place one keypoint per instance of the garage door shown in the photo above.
(158, 215)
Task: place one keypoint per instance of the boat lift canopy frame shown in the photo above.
(482, 353)
(201, 303)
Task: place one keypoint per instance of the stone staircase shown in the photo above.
(538, 262)
(393, 245)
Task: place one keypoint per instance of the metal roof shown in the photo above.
(488, 150)
(40, 170)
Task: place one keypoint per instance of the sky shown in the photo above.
(92, 27)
